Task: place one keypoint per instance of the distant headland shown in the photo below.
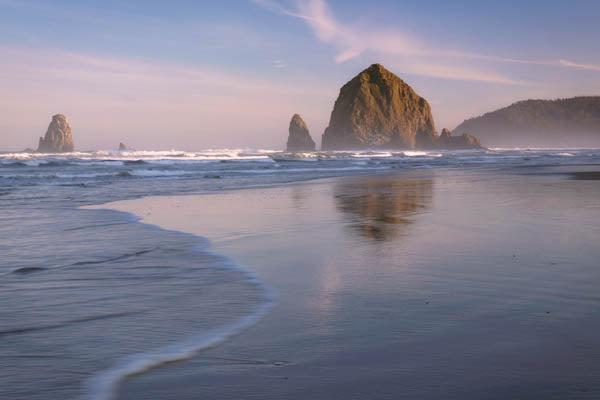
(568, 122)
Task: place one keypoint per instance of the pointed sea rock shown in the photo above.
(58, 138)
(122, 146)
(299, 137)
(377, 109)
(446, 134)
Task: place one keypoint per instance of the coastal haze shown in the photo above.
(299, 199)
(559, 123)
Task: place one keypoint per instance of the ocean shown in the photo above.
(90, 296)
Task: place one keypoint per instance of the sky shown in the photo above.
(192, 75)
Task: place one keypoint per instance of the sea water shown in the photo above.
(88, 297)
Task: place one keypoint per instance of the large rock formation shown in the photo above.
(58, 138)
(122, 147)
(569, 122)
(376, 109)
(299, 138)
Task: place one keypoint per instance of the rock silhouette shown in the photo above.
(299, 137)
(560, 123)
(449, 142)
(377, 109)
(58, 138)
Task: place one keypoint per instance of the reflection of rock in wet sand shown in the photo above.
(381, 208)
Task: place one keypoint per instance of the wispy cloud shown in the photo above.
(352, 42)
(567, 63)
(556, 63)
(279, 64)
(412, 55)
(458, 73)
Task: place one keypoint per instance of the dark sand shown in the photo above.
(416, 285)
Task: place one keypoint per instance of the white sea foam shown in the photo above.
(565, 154)
(210, 154)
(156, 172)
(103, 385)
(326, 169)
(414, 153)
(372, 154)
(110, 157)
(144, 163)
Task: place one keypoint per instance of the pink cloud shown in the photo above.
(111, 99)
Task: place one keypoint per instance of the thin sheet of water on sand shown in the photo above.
(446, 284)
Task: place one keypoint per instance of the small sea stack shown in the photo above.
(299, 137)
(458, 142)
(58, 138)
(122, 147)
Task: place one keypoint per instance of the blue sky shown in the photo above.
(198, 74)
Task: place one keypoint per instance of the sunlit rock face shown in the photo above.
(377, 109)
(58, 138)
(299, 137)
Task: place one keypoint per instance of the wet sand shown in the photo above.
(446, 284)
(586, 175)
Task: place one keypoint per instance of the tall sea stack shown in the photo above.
(376, 109)
(58, 138)
(299, 138)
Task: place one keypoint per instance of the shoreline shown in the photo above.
(294, 237)
(104, 384)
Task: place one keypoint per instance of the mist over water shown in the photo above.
(81, 289)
